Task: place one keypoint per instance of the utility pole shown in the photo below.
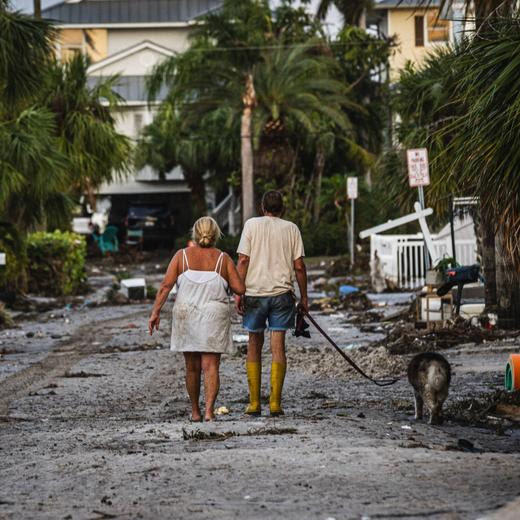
(352, 194)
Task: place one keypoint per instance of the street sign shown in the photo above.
(352, 190)
(418, 171)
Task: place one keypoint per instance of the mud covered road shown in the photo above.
(94, 424)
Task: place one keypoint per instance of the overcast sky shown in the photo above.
(333, 19)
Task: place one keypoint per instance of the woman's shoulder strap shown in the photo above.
(220, 261)
(185, 264)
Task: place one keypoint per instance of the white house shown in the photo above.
(130, 37)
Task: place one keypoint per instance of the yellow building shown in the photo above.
(417, 29)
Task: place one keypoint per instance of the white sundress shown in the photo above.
(201, 312)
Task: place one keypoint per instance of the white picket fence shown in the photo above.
(402, 256)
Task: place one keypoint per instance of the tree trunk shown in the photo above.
(248, 181)
(195, 181)
(487, 233)
(91, 196)
(37, 8)
(507, 288)
(319, 166)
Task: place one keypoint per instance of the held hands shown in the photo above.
(153, 322)
(239, 304)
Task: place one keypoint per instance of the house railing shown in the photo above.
(402, 256)
(227, 214)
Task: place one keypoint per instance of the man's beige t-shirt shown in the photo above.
(272, 245)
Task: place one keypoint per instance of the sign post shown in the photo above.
(352, 194)
(418, 177)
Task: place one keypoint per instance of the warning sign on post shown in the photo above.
(418, 170)
(352, 191)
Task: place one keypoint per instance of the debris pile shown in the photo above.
(356, 302)
(404, 338)
(496, 410)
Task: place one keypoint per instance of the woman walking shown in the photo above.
(201, 327)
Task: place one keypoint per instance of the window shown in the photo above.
(438, 30)
(419, 31)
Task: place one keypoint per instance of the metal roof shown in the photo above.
(87, 12)
(130, 88)
(405, 4)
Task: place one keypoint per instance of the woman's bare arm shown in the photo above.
(172, 273)
(235, 281)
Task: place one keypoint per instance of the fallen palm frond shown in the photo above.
(198, 435)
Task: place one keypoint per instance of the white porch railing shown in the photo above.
(402, 256)
(227, 214)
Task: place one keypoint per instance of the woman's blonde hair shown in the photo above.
(205, 232)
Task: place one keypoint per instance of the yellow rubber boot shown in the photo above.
(277, 378)
(254, 380)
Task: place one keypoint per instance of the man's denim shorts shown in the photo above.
(278, 311)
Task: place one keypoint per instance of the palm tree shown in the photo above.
(169, 142)
(85, 125)
(32, 168)
(352, 11)
(463, 104)
(223, 71)
(286, 90)
(484, 148)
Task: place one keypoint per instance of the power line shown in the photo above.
(291, 46)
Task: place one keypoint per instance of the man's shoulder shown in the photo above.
(282, 224)
(289, 225)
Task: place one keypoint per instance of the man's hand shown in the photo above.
(304, 303)
(239, 304)
(153, 322)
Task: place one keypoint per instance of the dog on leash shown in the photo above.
(429, 374)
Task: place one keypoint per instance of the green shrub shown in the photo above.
(151, 292)
(325, 238)
(13, 278)
(56, 263)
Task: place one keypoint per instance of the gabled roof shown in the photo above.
(125, 12)
(405, 4)
(134, 49)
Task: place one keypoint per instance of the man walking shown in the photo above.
(270, 258)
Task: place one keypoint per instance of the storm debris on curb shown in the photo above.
(404, 338)
(198, 435)
(495, 410)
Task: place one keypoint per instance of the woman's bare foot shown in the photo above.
(195, 415)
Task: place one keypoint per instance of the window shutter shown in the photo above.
(419, 31)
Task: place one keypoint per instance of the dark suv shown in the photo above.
(156, 221)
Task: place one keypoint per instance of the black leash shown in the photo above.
(300, 331)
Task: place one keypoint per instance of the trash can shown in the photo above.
(512, 379)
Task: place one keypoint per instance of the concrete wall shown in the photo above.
(401, 22)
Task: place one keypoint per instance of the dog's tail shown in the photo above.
(437, 377)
